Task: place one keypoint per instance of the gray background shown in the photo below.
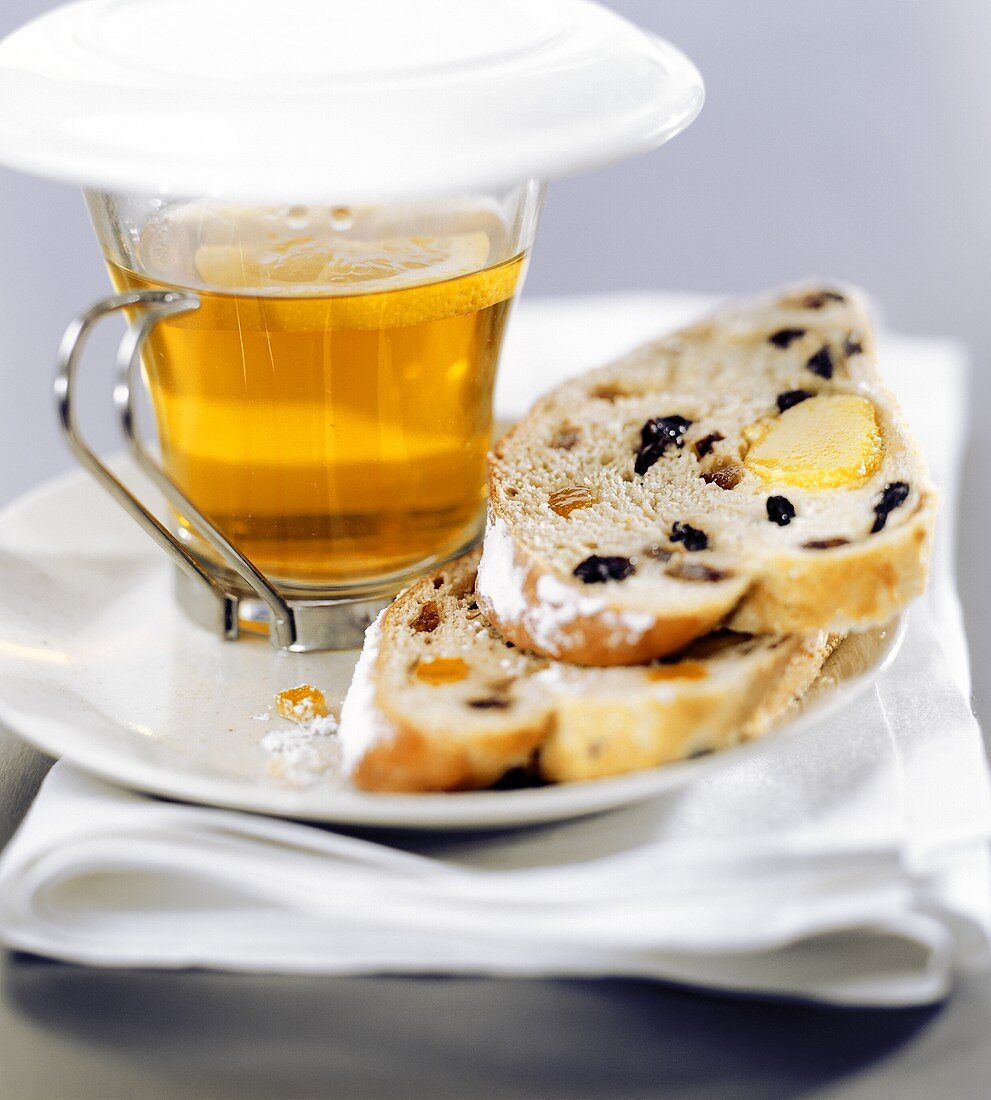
(840, 138)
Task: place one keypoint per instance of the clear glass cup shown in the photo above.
(327, 403)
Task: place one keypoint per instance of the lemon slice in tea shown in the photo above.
(364, 266)
(392, 282)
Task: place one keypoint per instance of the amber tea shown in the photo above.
(328, 405)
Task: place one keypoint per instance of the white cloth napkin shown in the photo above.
(845, 864)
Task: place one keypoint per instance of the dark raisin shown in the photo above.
(819, 298)
(428, 619)
(852, 344)
(657, 552)
(646, 457)
(825, 544)
(665, 429)
(780, 510)
(489, 704)
(696, 571)
(656, 436)
(821, 363)
(726, 477)
(566, 437)
(893, 496)
(690, 537)
(598, 570)
(790, 398)
(785, 337)
(707, 442)
(438, 582)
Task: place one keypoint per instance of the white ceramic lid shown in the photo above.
(310, 100)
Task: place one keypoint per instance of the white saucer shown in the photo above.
(97, 665)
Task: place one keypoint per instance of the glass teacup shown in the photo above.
(326, 402)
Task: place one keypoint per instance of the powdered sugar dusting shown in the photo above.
(566, 604)
(557, 605)
(302, 753)
(362, 724)
(499, 578)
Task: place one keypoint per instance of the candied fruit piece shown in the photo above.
(566, 437)
(824, 443)
(427, 620)
(608, 391)
(657, 552)
(707, 442)
(441, 670)
(680, 670)
(825, 544)
(727, 476)
(301, 704)
(696, 571)
(566, 501)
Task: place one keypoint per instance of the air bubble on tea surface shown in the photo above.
(341, 218)
(298, 217)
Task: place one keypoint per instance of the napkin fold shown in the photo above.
(847, 863)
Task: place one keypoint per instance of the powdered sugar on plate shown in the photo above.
(302, 754)
(557, 606)
(499, 577)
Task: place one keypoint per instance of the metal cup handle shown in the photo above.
(156, 306)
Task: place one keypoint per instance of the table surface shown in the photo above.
(86, 1034)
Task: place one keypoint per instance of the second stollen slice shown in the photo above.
(439, 702)
(750, 470)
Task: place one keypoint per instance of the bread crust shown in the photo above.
(412, 760)
(608, 737)
(857, 586)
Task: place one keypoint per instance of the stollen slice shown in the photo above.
(440, 702)
(749, 471)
